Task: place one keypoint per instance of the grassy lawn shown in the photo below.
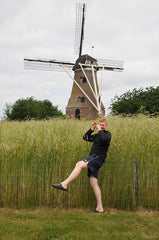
(47, 224)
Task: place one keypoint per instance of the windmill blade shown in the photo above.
(47, 65)
(79, 29)
(110, 65)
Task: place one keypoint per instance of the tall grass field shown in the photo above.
(36, 154)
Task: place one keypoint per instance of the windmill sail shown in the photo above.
(47, 65)
(79, 29)
(110, 65)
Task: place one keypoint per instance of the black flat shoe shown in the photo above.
(59, 186)
(95, 211)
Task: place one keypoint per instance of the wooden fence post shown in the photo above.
(136, 183)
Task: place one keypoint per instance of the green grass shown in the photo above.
(35, 154)
(47, 224)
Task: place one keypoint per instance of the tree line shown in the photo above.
(136, 102)
(30, 108)
(132, 102)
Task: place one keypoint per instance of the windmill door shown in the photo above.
(77, 114)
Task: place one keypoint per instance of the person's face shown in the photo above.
(103, 125)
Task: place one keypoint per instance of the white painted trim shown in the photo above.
(95, 87)
(87, 80)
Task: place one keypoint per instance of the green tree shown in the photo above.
(30, 108)
(136, 101)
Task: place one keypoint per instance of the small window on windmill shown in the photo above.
(89, 62)
(83, 80)
(81, 99)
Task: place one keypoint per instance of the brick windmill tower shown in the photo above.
(85, 99)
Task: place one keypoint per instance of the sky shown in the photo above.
(121, 30)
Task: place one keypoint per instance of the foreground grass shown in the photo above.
(47, 224)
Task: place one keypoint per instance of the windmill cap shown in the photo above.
(85, 59)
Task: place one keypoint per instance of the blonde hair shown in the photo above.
(103, 120)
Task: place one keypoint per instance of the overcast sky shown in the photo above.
(118, 29)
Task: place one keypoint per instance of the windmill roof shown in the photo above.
(84, 59)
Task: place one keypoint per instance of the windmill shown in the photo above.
(85, 100)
